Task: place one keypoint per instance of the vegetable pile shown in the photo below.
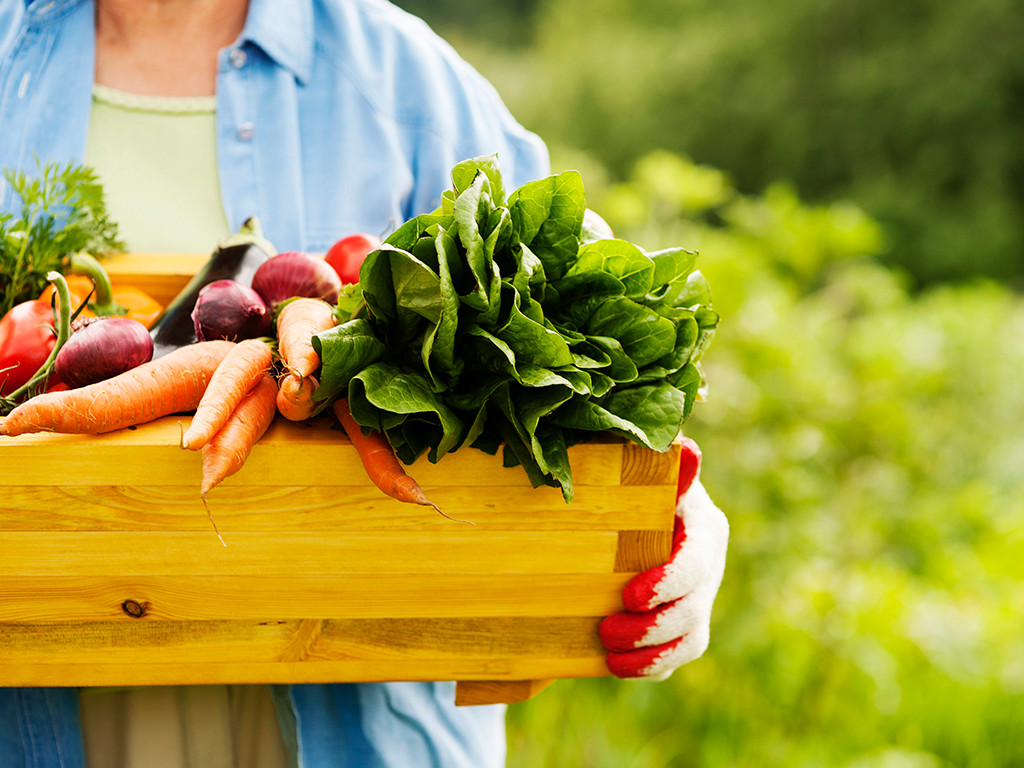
(515, 323)
(500, 324)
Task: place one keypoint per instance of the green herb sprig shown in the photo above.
(62, 212)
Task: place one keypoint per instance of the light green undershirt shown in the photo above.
(157, 160)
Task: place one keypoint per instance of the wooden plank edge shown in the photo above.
(472, 693)
(88, 675)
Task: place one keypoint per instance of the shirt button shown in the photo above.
(245, 131)
(237, 58)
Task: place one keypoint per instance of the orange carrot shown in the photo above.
(295, 397)
(298, 321)
(380, 462)
(227, 451)
(170, 384)
(237, 373)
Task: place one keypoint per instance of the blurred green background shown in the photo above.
(852, 173)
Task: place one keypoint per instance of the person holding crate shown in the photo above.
(320, 117)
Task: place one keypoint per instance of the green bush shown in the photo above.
(912, 109)
(863, 440)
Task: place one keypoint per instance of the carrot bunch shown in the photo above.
(297, 323)
(234, 412)
(170, 384)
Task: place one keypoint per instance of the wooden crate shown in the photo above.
(112, 574)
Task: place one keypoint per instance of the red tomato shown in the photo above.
(26, 338)
(347, 255)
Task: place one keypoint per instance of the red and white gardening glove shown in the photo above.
(668, 609)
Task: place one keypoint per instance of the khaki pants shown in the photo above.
(209, 726)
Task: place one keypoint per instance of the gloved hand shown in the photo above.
(668, 609)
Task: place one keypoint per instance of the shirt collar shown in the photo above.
(42, 11)
(284, 31)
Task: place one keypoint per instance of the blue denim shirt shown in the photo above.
(333, 116)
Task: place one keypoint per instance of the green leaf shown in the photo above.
(619, 259)
(695, 291)
(502, 357)
(392, 390)
(672, 267)
(438, 350)
(574, 298)
(344, 351)
(547, 216)
(650, 415)
(421, 227)
(533, 342)
(472, 209)
(644, 334)
(621, 367)
(464, 174)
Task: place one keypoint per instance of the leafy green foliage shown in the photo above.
(62, 212)
(863, 439)
(913, 110)
(494, 323)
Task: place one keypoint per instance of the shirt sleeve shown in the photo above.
(446, 110)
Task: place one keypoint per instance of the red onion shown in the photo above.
(296, 274)
(226, 309)
(100, 348)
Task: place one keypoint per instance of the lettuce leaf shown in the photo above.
(494, 323)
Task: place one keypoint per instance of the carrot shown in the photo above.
(226, 452)
(170, 384)
(295, 397)
(298, 321)
(237, 373)
(229, 448)
(380, 462)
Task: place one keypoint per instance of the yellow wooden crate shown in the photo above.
(111, 573)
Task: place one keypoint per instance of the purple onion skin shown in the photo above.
(226, 309)
(100, 348)
(296, 274)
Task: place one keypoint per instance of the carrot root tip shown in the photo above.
(209, 514)
(446, 515)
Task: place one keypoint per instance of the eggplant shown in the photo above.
(236, 258)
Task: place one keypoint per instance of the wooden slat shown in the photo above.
(161, 275)
(102, 553)
(302, 640)
(148, 653)
(55, 599)
(323, 508)
(241, 672)
(313, 453)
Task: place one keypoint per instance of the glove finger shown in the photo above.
(625, 631)
(659, 661)
(698, 559)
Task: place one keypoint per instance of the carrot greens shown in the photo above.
(59, 211)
